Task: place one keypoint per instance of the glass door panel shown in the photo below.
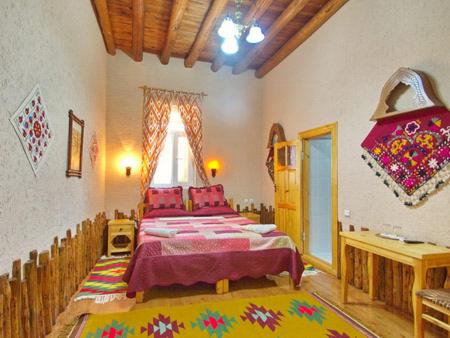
(320, 200)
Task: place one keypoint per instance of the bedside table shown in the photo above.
(252, 216)
(120, 228)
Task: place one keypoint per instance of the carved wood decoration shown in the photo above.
(418, 81)
(276, 135)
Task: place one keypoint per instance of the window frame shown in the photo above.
(192, 176)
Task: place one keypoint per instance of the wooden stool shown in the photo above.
(438, 300)
(120, 228)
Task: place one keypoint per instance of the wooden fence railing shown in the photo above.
(32, 298)
(395, 279)
(267, 214)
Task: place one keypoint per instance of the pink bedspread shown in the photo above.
(208, 249)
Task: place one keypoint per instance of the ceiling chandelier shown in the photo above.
(231, 31)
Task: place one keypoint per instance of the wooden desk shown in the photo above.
(420, 256)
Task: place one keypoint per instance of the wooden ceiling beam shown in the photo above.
(285, 17)
(255, 12)
(213, 14)
(101, 11)
(301, 36)
(137, 45)
(178, 8)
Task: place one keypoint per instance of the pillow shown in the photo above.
(212, 196)
(166, 213)
(214, 211)
(164, 198)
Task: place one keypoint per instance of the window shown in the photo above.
(175, 165)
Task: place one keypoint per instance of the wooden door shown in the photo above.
(287, 188)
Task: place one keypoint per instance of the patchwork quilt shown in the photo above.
(208, 249)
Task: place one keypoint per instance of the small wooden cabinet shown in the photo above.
(120, 236)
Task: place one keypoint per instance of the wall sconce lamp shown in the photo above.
(214, 166)
(128, 162)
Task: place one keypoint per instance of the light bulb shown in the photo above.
(255, 35)
(227, 28)
(230, 46)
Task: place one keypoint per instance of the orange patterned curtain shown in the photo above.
(191, 114)
(155, 122)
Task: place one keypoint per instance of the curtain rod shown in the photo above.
(173, 91)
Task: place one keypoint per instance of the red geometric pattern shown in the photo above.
(212, 196)
(33, 128)
(191, 114)
(162, 327)
(265, 318)
(155, 122)
(165, 198)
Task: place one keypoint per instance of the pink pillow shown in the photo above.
(166, 213)
(214, 211)
(164, 198)
(212, 196)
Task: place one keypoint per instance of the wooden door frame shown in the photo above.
(304, 224)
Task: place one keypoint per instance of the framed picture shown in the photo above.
(75, 147)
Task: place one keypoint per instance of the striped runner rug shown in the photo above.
(105, 283)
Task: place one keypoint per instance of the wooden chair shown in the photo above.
(436, 299)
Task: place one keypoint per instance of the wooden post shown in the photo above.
(1, 316)
(5, 290)
(62, 277)
(44, 258)
(39, 271)
(31, 278)
(397, 284)
(388, 295)
(55, 279)
(15, 306)
(16, 289)
(25, 314)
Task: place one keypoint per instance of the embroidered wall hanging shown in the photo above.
(93, 150)
(33, 128)
(410, 151)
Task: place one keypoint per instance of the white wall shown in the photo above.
(338, 74)
(58, 45)
(231, 123)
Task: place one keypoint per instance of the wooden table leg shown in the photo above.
(344, 271)
(419, 284)
(372, 265)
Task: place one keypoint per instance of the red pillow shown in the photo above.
(164, 198)
(214, 211)
(212, 196)
(166, 213)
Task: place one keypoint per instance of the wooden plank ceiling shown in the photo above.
(188, 29)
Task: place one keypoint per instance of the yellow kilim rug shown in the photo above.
(295, 315)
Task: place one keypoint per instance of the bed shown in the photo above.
(211, 249)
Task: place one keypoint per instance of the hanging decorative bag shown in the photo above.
(410, 150)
